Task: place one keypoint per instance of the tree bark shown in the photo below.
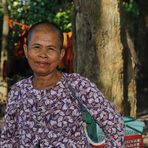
(4, 52)
(100, 53)
(142, 47)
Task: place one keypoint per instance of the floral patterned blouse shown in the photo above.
(51, 119)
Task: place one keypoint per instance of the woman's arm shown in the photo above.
(9, 134)
(103, 112)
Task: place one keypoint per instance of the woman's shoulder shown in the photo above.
(16, 90)
(72, 75)
(82, 84)
(75, 78)
(21, 83)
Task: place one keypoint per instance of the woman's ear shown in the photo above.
(62, 54)
(25, 50)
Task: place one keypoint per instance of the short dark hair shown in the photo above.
(51, 25)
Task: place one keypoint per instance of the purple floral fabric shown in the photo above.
(51, 119)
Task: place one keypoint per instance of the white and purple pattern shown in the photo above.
(49, 116)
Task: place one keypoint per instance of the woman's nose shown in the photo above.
(43, 54)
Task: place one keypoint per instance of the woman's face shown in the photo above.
(43, 52)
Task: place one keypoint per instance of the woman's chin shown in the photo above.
(41, 73)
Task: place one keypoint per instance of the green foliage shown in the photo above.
(130, 7)
(30, 12)
(62, 18)
(1, 12)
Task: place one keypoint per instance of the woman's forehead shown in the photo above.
(44, 36)
(44, 28)
(43, 31)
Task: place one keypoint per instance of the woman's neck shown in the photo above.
(44, 82)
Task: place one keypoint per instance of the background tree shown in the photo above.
(136, 23)
(141, 44)
(4, 52)
(102, 52)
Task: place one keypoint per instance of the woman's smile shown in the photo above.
(43, 52)
(42, 64)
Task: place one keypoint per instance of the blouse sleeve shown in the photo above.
(103, 112)
(9, 134)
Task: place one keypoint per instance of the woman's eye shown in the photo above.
(36, 47)
(51, 49)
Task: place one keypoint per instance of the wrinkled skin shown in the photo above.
(44, 54)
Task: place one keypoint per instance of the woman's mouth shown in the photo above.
(42, 64)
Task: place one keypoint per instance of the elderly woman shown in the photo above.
(40, 111)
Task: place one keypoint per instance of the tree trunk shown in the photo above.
(142, 46)
(100, 53)
(4, 54)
